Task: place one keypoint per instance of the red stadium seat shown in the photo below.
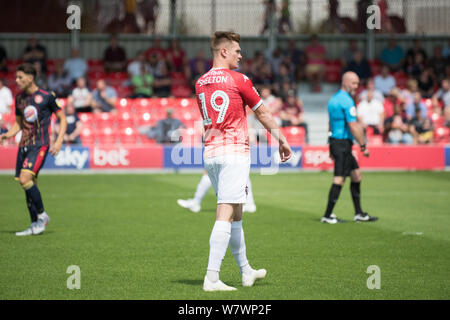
(105, 119)
(125, 119)
(86, 118)
(87, 136)
(442, 135)
(107, 135)
(145, 118)
(128, 135)
(142, 104)
(294, 135)
(124, 104)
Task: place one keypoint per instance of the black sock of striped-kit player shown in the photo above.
(35, 195)
(31, 208)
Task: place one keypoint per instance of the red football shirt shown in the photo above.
(222, 95)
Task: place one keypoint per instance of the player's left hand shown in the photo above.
(366, 153)
(285, 152)
(54, 150)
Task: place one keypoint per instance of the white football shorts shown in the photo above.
(229, 176)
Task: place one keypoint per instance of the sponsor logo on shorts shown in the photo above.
(30, 164)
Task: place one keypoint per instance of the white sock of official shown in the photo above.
(237, 246)
(250, 199)
(218, 244)
(202, 187)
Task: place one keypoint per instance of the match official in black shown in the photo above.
(344, 128)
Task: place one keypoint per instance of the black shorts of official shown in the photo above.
(31, 159)
(344, 161)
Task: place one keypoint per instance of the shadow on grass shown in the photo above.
(190, 282)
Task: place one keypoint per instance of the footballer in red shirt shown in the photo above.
(222, 97)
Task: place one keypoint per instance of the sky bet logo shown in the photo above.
(77, 158)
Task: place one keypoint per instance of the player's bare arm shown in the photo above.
(358, 133)
(13, 131)
(265, 117)
(54, 150)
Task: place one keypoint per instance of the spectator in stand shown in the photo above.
(421, 128)
(426, 83)
(134, 67)
(166, 130)
(40, 79)
(104, 98)
(438, 63)
(257, 133)
(3, 60)
(416, 104)
(35, 52)
(81, 97)
(283, 76)
(154, 64)
(292, 112)
(393, 55)
(362, 14)
(162, 82)
(376, 94)
(349, 53)
(114, 57)
(285, 24)
(407, 95)
(157, 49)
(148, 10)
(274, 59)
(143, 84)
(334, 20)
(297, 59)
(446, 51)
(417, 49)
(371, 113)
(199, 62)
(360, 66)
(6, 98)
(73, 130)
(270, 9)
(199, 69)
(59, 82)
(443, 94)
(176, 58)
(414, 65)
(442, 98)
(6, 101)
(316, 64)
(384, 82)
(263, 76)
(384, 16)
(396, 128)
(76, 67)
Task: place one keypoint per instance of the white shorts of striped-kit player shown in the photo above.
(229, 176)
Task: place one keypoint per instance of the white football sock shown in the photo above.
(218, 244)
(202, 187)
(250, 199)
(237, 246)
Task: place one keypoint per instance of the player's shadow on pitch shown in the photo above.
(190, 282)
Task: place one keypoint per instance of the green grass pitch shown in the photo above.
(132, 241)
